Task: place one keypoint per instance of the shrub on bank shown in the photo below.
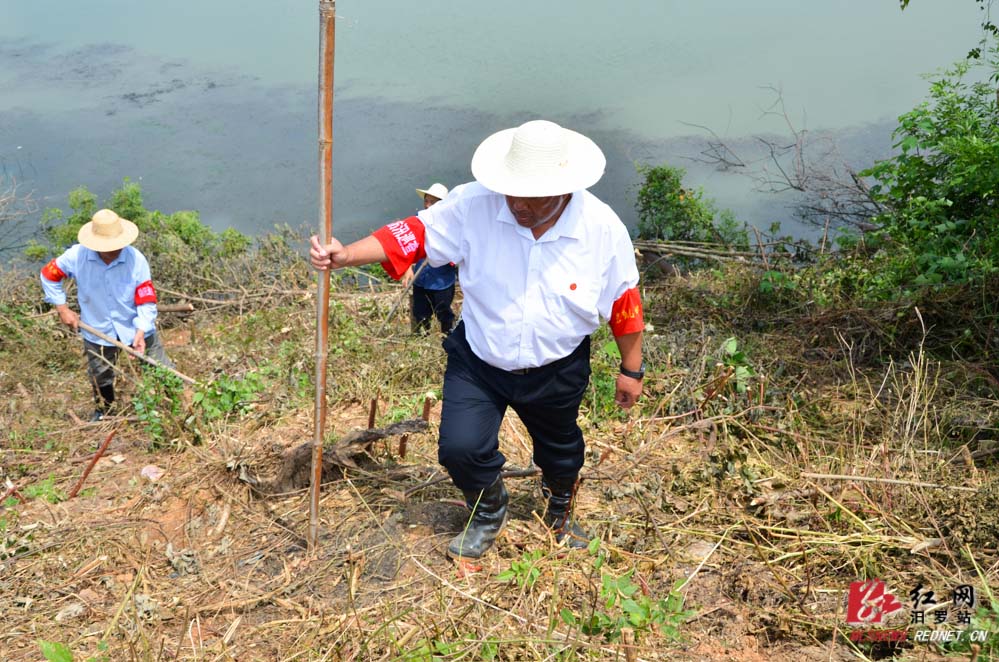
(940, 192)
(184, 254)
(670, 212)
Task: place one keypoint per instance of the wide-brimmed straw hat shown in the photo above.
(436, 189)
(107, 231)
(537, 159)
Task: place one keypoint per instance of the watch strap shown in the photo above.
(639, 374)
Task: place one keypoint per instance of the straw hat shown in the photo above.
(439, 191)
(537, 159)
(107, 231)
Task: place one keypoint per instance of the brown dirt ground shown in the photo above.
(110, 564)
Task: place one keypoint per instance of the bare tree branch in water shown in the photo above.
(717, 153)
(831, 193)
(14, 211)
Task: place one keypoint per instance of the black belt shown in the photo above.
(521, 371)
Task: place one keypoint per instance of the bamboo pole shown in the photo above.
(131, 352)
(327, 17)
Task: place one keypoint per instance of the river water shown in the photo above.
(211, 104)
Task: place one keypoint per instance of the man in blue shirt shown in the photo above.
(116, 296)
(433, 288)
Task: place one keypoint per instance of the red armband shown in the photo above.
(52, 272)
(403, 245)
(145, 293)
(626, 314)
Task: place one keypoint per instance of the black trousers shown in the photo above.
(428, 303)
(476, 396)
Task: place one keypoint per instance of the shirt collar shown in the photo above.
(567, 225)
(92, 256)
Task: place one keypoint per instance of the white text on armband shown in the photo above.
(404, 235)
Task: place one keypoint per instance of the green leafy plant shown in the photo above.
(61, 230)
(776, 282)
(605, 365)
(227, 395)
(667, 210)
(54, 651)
(940, 192)
(735, 360)
(441, 648)
(45, 489)
(525, 572)
(410, 406)
(157, 404)
(623, 603)
(172, 238)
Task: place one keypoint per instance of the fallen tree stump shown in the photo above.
(350, 452)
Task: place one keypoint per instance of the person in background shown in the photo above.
(116, 296)
(433, 289)
(541, 261)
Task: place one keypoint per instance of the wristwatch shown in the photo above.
(632, 373)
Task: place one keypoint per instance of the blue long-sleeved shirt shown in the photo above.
(116, 299)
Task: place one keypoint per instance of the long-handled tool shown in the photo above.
(131, 352)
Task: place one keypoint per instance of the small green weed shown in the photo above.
(606, 365)
(735, 359)
(409, 407)
(45, 489)
(776, 282)
(157, 404)
(438, 648)
(525, 571)
(54, 651)
(984, 620)
(624, 604)
(228, 395)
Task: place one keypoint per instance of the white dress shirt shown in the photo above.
(527, 301)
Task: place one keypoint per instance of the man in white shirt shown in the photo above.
(541, 261)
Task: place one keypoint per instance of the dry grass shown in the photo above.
(700, 493)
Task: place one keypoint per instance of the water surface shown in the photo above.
(211, 105)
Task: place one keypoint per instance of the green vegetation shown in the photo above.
(939, 192)
(623, 603)
(524, 572)
(668, 211)
(45, 489)
(54, 651)
(159, 233)
(157, 403)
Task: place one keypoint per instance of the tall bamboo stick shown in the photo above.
(327, 17)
